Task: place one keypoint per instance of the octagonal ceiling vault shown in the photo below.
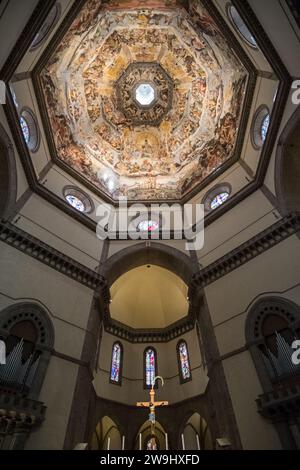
(165, 148)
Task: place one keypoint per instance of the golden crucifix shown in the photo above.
(151, 404)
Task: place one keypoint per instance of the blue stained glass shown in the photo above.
(219, 199)
(150, 367)
(265, 127)
(25, 129)
(184, 361)
(115, 363)
(75, 202)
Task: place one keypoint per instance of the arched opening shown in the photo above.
(271, 328)
(287, 169)
(197, 435)
(140, 298)
(106, 436)
(139, 278)
(149, 253)
(28, 334)
(8, 175)
(144, 437)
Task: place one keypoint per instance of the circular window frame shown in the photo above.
(86, 200)
(49, 29)
(259, 116)
(146, 216)
(212, 193)
(230, 17)
(33, 127)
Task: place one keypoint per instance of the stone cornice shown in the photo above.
(28, 244)
(257, 245)
(268, 238)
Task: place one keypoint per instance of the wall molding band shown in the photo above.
(28, 244)
(268, 238)
(276, 233)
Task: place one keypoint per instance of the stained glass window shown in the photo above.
(219, 199)
(260, 126)
(264, 127)
(29, 129)
(25, 129)
(241, 26)
(75, 202)
(184, 361)
(115, 373)
(150, 367)
(148, 225)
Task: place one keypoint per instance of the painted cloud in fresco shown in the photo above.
(93, 134)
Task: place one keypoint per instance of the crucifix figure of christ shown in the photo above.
(152, 404)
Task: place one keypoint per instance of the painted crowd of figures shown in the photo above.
(91, 132)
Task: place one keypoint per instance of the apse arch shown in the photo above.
(121, 265)
(8, 175)
(287, 166)
(147, 253)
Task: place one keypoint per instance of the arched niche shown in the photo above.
(8, 175)
(145, 432)
(197, 434)
(106, 435)
(28, 330)
(271, 326)
(287, 166)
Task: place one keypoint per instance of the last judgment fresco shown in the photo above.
(192, 83)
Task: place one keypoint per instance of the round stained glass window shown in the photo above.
(47, 27)
(264, 127)
(241, 26)
(78, 199)
(219, 199)
(29, 129)
(260, 127)
(75, 202)
(25, 129)
(148, 225)
(145, 94)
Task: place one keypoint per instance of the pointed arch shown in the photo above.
(116, 367)
(183, 358)
(150, 366)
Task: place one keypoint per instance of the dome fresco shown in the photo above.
(188, 126)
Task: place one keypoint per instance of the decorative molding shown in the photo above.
(19, 239)
(21, 410)
(281, 403)
(264, 43)
(25, 39)
(233, 42)
(257, 245)
(268, 238)
(148, 336)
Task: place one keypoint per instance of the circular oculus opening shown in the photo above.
(145, 94)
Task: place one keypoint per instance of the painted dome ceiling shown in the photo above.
(144, 103)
